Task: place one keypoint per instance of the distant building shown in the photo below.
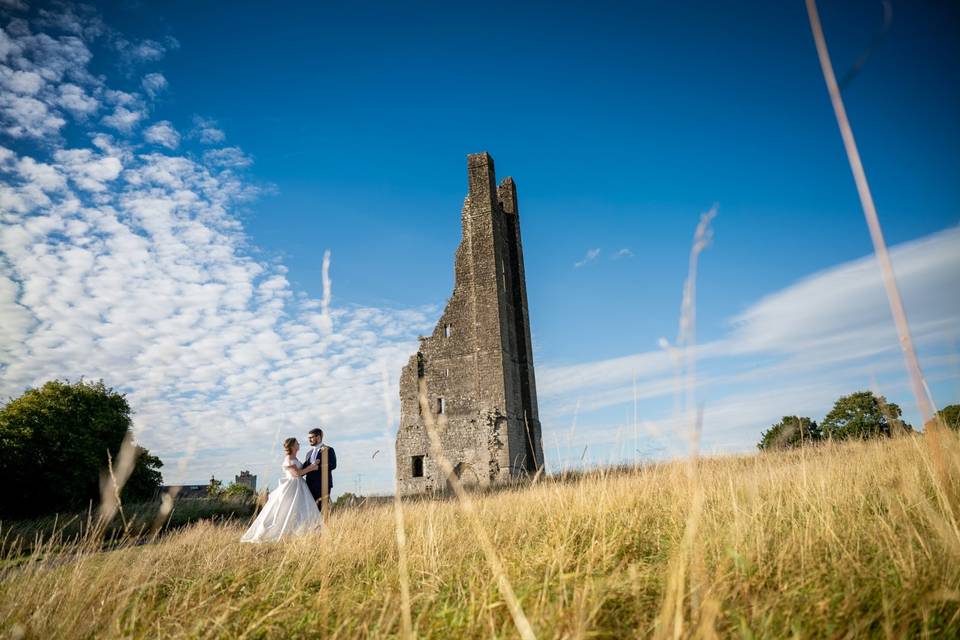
(185, 490)
(246, 478)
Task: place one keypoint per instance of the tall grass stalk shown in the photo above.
(933, 427)
(403, 570)
(920, 389)
(688, 558)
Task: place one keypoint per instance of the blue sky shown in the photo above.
(217, 151)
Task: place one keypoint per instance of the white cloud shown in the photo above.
(22, 82)
(148, 51)
(849, 299)
(793, 351)
(56, 58)
(47, 177)
(207, 131)
(27, 117)
(44, 79)
(844, 305)
(162, 133)
(131, 266)
(123, 98)
(7, 46)
(76, 19)
(145, 50)
(591, 255)
(138, 275)
(75, 100)
(123, 119)
(228, 157)
(18, 5)
(622, 253)
(88, 170)
(154, 84)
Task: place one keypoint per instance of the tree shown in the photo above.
(863, 415)
(347, 499)
(215, 488)
(145, 480)
(238, 492)
(949, 416)
(789, 433)
(54, 442)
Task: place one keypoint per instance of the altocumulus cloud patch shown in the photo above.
(122, 260)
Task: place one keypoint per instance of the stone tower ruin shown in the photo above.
(478, 363)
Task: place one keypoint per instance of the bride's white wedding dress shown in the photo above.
(290, 509)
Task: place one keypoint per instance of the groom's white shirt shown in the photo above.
(312, 455)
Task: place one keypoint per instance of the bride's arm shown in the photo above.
(302, 472)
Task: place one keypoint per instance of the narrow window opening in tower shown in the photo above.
(441, 406)
(417, 467)
(447, 330)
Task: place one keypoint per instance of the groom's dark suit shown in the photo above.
(315, 478)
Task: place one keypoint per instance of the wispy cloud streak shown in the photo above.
(590, 256)
(793, 351)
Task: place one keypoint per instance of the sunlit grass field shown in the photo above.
(836, 541)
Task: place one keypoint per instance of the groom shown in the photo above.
(315, 455)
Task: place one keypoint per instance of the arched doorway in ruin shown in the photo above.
(467, 475)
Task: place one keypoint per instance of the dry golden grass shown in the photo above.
(838, 541)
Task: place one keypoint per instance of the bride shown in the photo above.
(290, 509)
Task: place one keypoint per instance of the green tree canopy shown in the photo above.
(145, 480)
(236, 491)
(950, 416)
(791, 432)
(54, 442)
(863, 415)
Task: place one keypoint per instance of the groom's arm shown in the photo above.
(332, 458)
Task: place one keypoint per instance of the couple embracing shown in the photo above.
(295, 505)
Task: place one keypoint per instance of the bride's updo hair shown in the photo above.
(288, 445)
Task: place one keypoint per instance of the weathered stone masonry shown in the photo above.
(478, 363)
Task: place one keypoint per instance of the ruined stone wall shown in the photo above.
(478, 359)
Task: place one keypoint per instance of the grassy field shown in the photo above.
(838, 541)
